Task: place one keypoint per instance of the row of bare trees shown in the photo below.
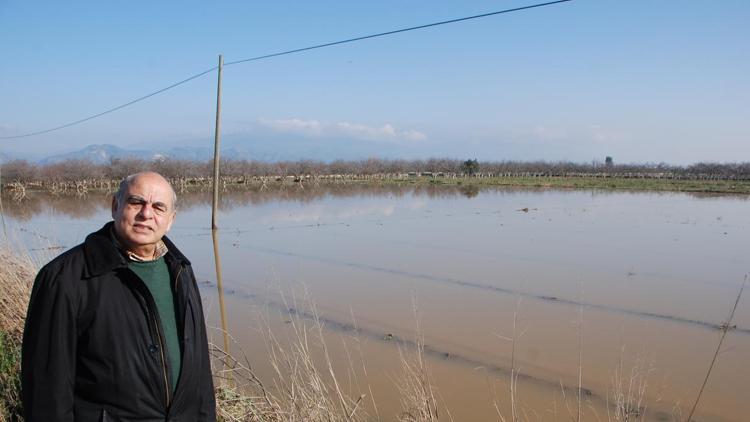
(76, 170)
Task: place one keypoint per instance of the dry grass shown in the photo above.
(16, 278)
(514, 371)
(233, 384)
(626, 401)
(415, 387)
(418, 402)
(304, 387)
(308, 389)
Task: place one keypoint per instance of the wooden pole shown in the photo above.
(217, 132)
(214, 206)
(2, 211)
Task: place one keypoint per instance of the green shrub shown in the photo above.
(10, 378)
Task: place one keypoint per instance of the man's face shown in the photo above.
(145, 214)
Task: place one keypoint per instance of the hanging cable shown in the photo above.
(283, 53)
(396, 31)
(137, 100)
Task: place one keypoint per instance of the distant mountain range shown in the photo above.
(99, 154)
(102, 154)
(240, 147)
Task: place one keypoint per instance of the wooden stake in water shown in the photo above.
(217, 133)
(214, 206)
(220, 287)
(2, 211)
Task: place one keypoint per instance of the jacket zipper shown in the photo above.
(163, 362)
(167, 386)
(177, 279)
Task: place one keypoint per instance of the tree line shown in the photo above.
(21, 171)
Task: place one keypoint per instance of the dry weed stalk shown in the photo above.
(628, 393)
(417, 393)
(725, 327)
(305, 390)
(418, 402)
(240, 395)
(358, 342)
(305, 385)
(579, 399)
(514, 372)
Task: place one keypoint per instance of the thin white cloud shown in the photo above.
(309, 127)
(317, 128)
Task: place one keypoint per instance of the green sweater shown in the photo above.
(155, 275)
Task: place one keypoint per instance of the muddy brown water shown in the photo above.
(637, 281)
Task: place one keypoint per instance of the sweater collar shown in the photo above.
(160, 250)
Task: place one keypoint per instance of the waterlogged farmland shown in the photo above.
(624, 286)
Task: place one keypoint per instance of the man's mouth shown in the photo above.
(141, 227)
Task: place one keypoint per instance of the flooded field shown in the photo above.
(551, 284)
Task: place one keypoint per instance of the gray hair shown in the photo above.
(126, 182)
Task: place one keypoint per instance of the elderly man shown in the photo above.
(115, 328)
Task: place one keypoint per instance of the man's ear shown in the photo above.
(114, 206)
(171, 220)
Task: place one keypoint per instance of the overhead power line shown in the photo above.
(139, 99)
(396, 31)
(282, 53)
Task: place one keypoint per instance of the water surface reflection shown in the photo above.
(654, 274)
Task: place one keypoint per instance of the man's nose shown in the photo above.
(146, 211)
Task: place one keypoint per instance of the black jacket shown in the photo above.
(93, 349)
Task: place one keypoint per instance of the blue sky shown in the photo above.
(642, 81)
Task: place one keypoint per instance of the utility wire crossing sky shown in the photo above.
(282, 53)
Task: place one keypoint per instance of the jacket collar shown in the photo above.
(102, 255)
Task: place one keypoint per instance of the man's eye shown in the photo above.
(160, 208)
(135, 201)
